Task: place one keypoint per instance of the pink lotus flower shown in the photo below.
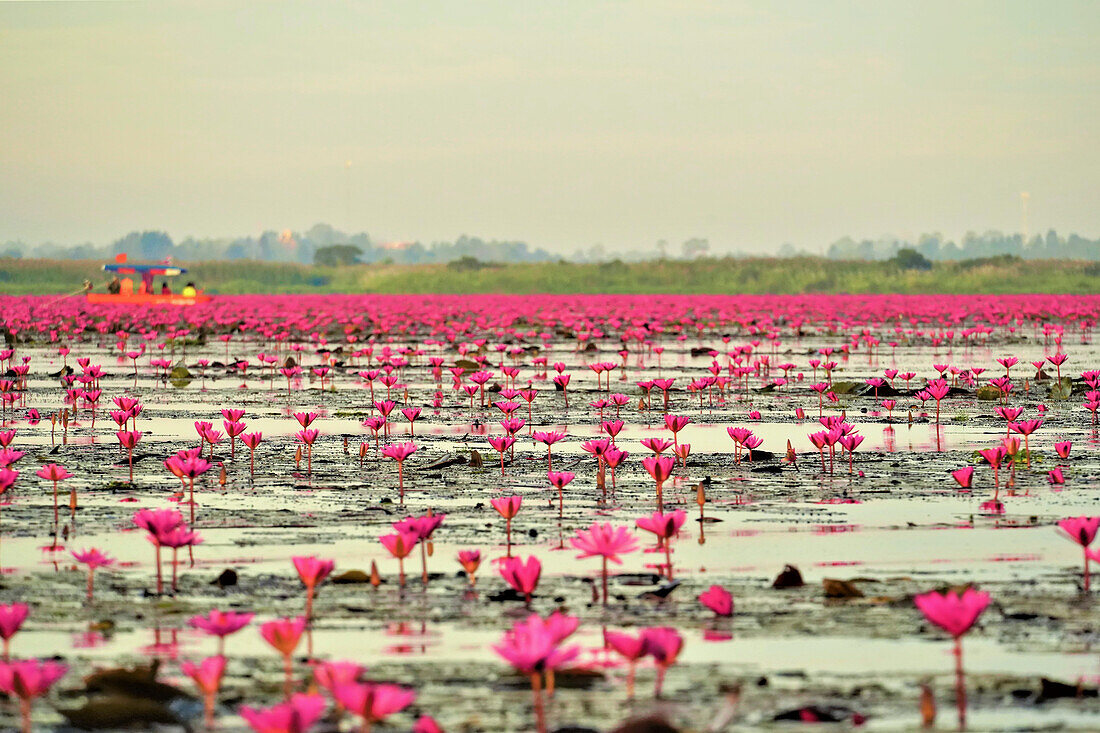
(1062, 449)
(12, 616)
(221, 624)
(964, 476)
(664, 526)
(207, 676)
(232, 414)
(305, 419)
(373, 702)
(283, 635)
(660, 468)
(399, 452)
(93, 559)
(718, 599)
(559, 480)
(548, 439)
(423, 527)
(606, 542)
(308, 436)
(252, 440)
(508, 507)
(54, 473)
(129, 440)
(470, 561)
(955, 613)
(532, 647)
(664, 645)
(400, 545)
(426, 724)
(501, 444)
(657, 445)
(297, 715)
(312, 573)
(28, 680)
(631, 648)
(522, 576)
(8, 478)
(158, 523)
(330, 675)
(676, 423)
(1081, 530)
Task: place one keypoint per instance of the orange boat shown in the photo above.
(145, 294)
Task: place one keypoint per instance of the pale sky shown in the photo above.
(561, 123)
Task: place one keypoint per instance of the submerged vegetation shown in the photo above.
(704, 275)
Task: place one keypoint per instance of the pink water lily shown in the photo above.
(297, 715)
(207, 676)
(955, 613)
(718, 599)
(607, 543)
(372, 702)
(522, 575)
(1081, 530)
(92, 559)
(12, 616)
(221, 624)
(28, 680)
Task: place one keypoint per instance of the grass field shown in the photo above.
(727, 275)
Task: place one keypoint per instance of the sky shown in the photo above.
(564, 124)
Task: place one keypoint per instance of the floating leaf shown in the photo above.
(115, 712)
(351, 577)
(835, 588)
(180, 377)
(988, 392)
(1061, 390)
(789, 578)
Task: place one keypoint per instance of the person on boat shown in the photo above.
(115, 286)
(164, 289)
(189, 290)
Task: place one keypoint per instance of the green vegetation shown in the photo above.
(705, 275)
(337, 255)
(910, 259)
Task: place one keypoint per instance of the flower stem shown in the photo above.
(604, 582)
(960, 684)
(536, 693)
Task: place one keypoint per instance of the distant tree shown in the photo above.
(144, 245)
(336, 255)
(466, 263)
(929, 246)
(239, 250)
(695, 247)
(11, 250)
(911, 259)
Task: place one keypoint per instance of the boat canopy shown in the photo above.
(156, 270)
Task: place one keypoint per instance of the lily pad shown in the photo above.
(1061, 390)
(179, 377)
(988, 392)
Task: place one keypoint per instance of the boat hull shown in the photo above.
(147, 299)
